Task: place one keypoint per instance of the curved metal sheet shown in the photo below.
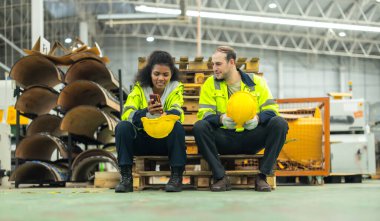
(83, 92)
(85, 164)
(46, 124)
(37, 100)
(40, 147)
(36, 70)
(39, 172)
(106, 136)
(71, 58)
(85, 120)
(92, 70)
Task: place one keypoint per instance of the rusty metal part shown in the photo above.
(85, 121)
(83, 92)
(92, 70)
(68, 59)
(37, 100)
(40, 147)
(46, 124)
(36, 70)
(39, 172)
(86, 164)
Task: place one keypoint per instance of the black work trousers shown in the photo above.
(132, 142)
(213, 141)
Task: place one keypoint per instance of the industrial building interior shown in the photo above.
(68, 66)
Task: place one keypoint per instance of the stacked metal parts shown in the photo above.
(70, 112)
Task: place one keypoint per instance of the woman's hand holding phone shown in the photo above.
(154, 106)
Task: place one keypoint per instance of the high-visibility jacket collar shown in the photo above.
(245, 78)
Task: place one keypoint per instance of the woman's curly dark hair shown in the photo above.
(157, 57)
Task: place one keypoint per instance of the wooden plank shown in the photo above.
(190, 119)
(198, 156)
(241, 156)
(106, 179)
(167, 173)
(193, 156)
(191, 105)
(189, 138)
(198, 59)
(252, 65)
(198, 64)
(191, 148)
(187, 85)
(200, 173)
(162, 186)
(242, 172)
(190, 97)
(183, 62)
(240, 62)
(198, 70)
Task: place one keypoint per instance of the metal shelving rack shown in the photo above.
(70, 137)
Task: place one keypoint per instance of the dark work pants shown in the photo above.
(213, 141)
(131, 142)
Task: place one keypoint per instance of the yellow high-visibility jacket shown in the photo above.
(214, 97)
(137, 102)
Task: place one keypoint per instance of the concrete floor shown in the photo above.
(357, 202)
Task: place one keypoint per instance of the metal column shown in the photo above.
(37, 19)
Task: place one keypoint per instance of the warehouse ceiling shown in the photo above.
(332, 27)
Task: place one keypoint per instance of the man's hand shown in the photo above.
(227, 122)
(251, 124)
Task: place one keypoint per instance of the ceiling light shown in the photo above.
(378, 1)
(150, 39)
(260, 19)
(134, 16)
(68, 40)
(342, 34)
(272, 5)
(143, 8)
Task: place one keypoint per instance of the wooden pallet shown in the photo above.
(199, 179)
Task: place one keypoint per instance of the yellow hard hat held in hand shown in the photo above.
(241, 107)
(159, 127)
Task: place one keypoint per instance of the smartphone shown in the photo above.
(156, 98)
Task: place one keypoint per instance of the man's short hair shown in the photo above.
(229, 51)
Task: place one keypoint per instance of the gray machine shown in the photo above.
(352, 144)
(5, 154)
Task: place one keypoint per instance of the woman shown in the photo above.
(159, 76)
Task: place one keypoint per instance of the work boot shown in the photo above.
(222, 184)
(126, 182)
(175, 181)
(261, 184)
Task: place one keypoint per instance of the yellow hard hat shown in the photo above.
(241, 107)
(159, 127)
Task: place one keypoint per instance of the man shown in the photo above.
(215, 132)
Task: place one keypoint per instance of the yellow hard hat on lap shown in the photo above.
(159, 127)
(241, 107)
